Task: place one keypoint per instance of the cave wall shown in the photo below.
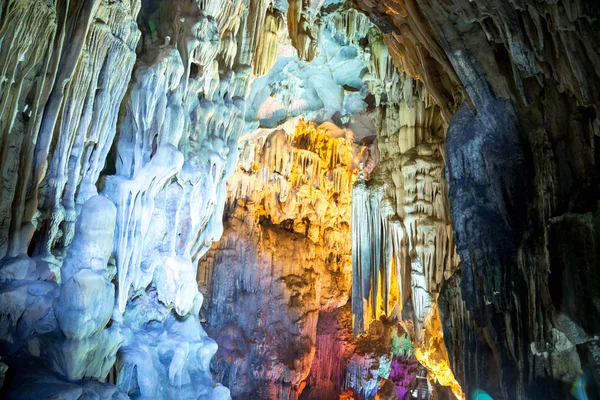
(60, 106)
(119, 130)
(119, 127)
(522, 162)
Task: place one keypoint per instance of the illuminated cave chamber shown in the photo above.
(297, 199)
(281, 286)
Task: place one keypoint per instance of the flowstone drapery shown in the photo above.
(109, 291)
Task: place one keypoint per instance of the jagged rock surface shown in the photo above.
(104, 287)
(403, 245)
(522, 166)
(119, 126)
(285, 256)
(66, 69)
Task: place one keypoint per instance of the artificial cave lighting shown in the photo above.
(299, 200)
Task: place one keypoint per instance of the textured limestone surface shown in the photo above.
(284, 257)
(518, 85)
(403, 244)
(403, 212)
(328, 173)
(120, 123)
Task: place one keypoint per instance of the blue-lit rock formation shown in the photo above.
(119, 188)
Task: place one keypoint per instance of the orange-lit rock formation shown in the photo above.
(285, 255)
(434, 161)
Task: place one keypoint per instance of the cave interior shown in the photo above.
(300, 199)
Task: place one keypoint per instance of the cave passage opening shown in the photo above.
(337, 232)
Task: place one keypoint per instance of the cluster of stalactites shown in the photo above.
(351, 24)
(304, 176)
(227, 13)
(240, 24)
(406, 114)
(426, 211)
(408, 118)
(160, 142)
(382, 67)
(402, 239)
(379, 272)
(403, 245)
(409, 188)
(58, 135)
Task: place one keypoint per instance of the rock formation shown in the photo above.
(527, 72)
(322, 185)
(403, 245)
(276, 187)
(161, 172)
(286, 248)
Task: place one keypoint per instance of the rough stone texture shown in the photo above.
(403, 244)
(119, 127)
(522, 160)
(334, 348)
(284, 256)
(158, 146)
(263, 352)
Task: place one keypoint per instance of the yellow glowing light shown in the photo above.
(432, 354)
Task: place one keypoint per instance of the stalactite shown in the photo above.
(287, 247)
(86, 122)
(173, 148)
(249, 35)
(301, 173)
(350, 23)
(402, 247)
(300, 29)
(267, 49)
(362, 374)
(28, 29)
(375, 252)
